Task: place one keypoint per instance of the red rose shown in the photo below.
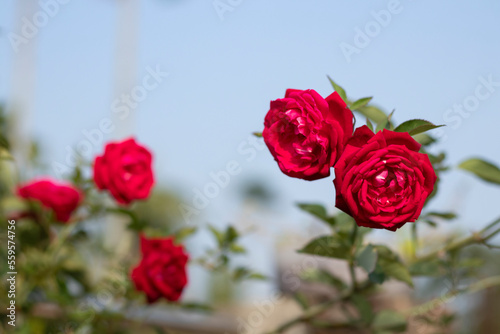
(162, 270)
(63, 199)
(307, 133)
(125, 170)
(381, 180)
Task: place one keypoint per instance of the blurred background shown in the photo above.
(192, 80)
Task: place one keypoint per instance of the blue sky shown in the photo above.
(223, 73)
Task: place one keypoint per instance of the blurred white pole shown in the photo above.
(21, 100)
(127, 38)
(127, 35)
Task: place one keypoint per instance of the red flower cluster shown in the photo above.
(125, 171)
(381, 179)
(162, 270)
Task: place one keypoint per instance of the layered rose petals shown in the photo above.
(125, 170)
(162, 270)
(62, 199)
(306, 133)
(382, 180)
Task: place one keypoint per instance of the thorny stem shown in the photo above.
(474, 287)
(481, 236)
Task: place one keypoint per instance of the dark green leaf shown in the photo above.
(416, 126)
(392, 266)
(360, 103)
(367, 258)
(444, 215)
(231, 235)
(329, 246)
(4, 142)
(338, 89)
(364, 308)
(257, 134)
(377, 276)
(197, 306)
(483, 169)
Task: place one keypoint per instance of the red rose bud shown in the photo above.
(162, 270)
(381, 180)
(125, 170)
(306, 133)
(62, 199)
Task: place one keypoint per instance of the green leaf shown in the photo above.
(240, 273)
(483, 169)
(4, 142)
(444, 215)
(197, 306)
(231, 235)
(318, 211)
(329, 246)
(257, 276)
(391, 265)
(360, 103)
(389, 320)
(373, 113)
(325, 277)
(338, 89)
(377, 276)
(430, 268)
(367, 258)
(301, 299)
(183, 233)
(369, 124)
(364, 308)
(424, 139)
(257, 134)
(416, 126)
(219, 236)
(383, 124)
(237, 249)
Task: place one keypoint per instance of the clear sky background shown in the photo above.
(223, 73)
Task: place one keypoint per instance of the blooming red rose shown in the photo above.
(306, 133)
(382, 180)
(125, 170)
(63, 199)
(162, 270)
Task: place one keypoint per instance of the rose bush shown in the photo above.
(162, 269)
(61, 198)
(307, 133)
(125, 170)
(381, 179)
